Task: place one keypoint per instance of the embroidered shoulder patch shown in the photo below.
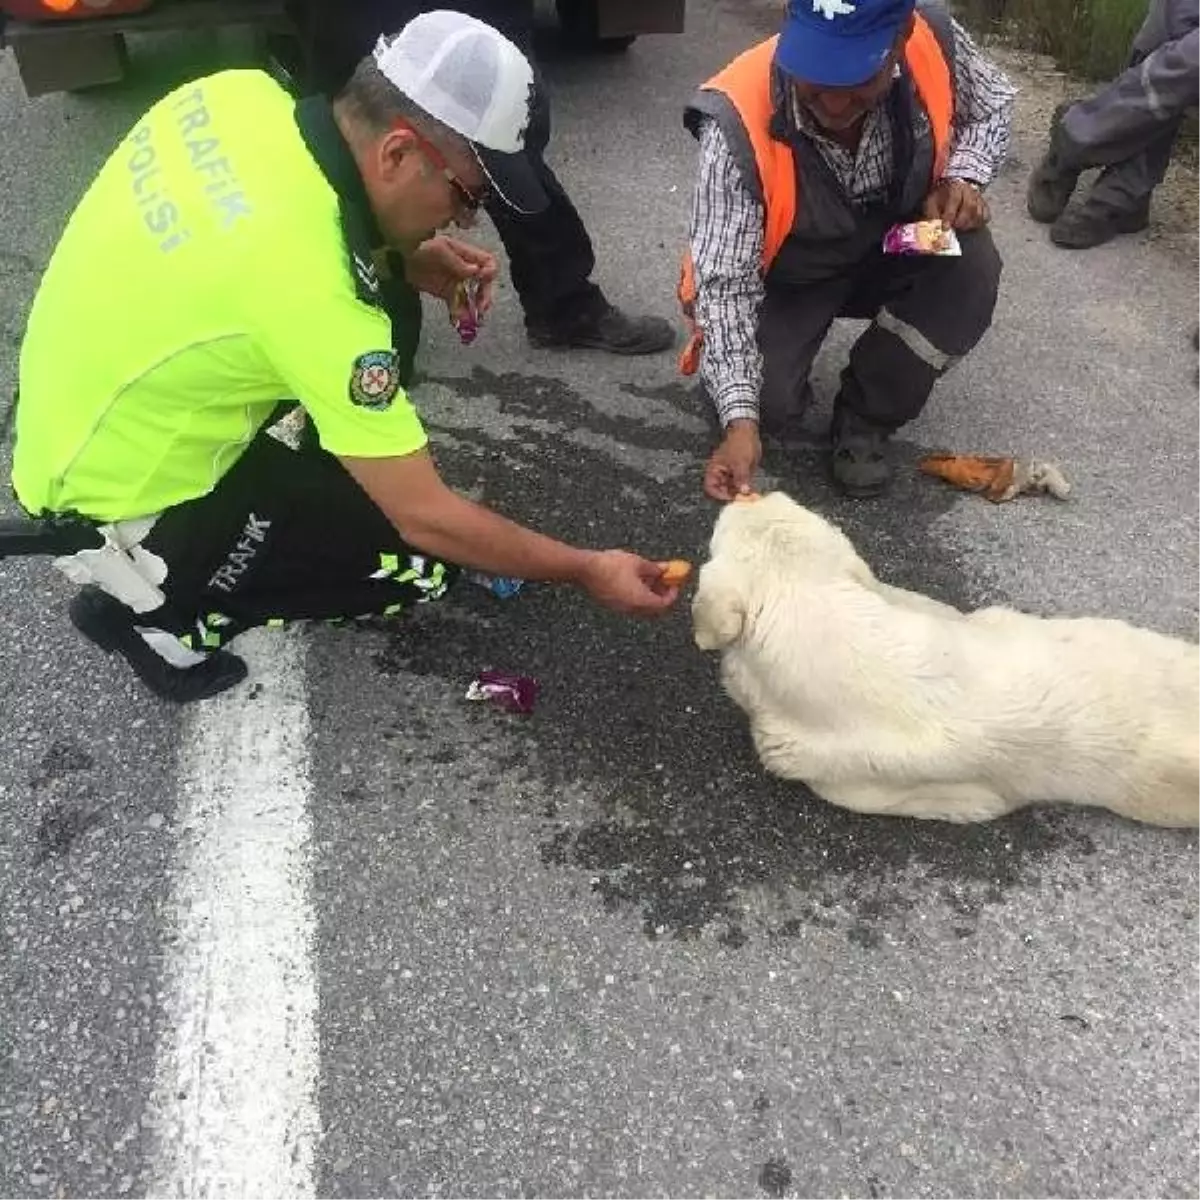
(375, 379)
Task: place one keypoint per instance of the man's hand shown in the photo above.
(957, 204)
(627, 584)
(431, 517)
(730, 470)
(439, 265)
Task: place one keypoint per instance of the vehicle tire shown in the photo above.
(579, 21)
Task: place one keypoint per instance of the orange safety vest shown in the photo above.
(746, 83)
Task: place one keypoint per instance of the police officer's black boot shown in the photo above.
(112, 627)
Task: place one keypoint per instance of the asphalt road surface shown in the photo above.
(344, 933)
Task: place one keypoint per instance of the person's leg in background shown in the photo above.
(1128, 127)
(550, 254)
(286, 535)
(927, 313)
(551, 258)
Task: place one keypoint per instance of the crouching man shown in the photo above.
(860, 114)
(224, 263)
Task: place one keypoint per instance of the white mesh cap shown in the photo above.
(473, 80)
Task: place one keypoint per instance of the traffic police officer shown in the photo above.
(222, 262)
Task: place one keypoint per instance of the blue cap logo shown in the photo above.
(833, 8)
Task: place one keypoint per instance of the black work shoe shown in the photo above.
(1051, 185)
(860, 456)
(1085, 225)
(609, 329)
(110, 625)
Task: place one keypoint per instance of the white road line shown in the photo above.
(236, 1097)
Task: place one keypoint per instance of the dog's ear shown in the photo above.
(718, 608)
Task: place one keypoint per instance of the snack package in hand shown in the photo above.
(921, 237)
(466, 303)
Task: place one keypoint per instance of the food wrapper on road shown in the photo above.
(513, 693)
(998, 479)
(501, 586)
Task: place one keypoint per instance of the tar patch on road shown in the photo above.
(68, 814)
(61, 759)
(775, 1178)
(685, 823)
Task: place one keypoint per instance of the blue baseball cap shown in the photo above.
(839, 43)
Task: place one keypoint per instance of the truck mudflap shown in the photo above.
(69, 45)
(69, 10)
(614, 24)
(81, 43)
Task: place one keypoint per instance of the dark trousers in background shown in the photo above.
(286, 535)
(1129, 127)
(926, 313)
(550, 254)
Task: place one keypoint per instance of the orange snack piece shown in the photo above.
(972, 472)
(676, 572)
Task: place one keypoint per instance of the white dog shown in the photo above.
(885, 701)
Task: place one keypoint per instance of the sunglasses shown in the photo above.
(471, 199)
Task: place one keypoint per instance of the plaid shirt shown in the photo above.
(727, 221)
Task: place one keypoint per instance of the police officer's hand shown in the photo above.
(958, 204)
(437, 266)
(730, 470)
(627, 583)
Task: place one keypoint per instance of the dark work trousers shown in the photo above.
(925, 312)
(285, 535)
(550, 254)
(1130, 126)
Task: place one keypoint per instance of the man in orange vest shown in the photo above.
(860, 114)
